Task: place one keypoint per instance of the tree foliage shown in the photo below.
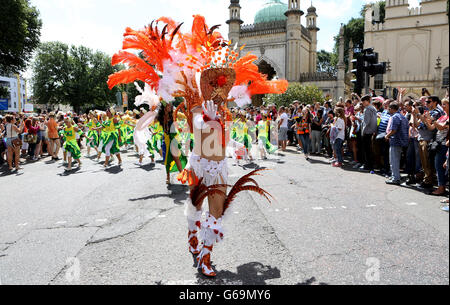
(327, 62)
(20, 30)
(73, 76)
(4, 92)
(354, 31)
(296, 92)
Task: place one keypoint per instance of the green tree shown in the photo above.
(4, 92)
(20, 29)
(51, 73)
(296, 92)
(326, 62)
(75, 76)
(354, 31)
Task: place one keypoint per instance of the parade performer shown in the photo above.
(206, 71)
(109, 144)
(92, 140)
(71, 147)
(242, 136)
(264, 144)
(174, 158)
(129, 128)
(142, 135)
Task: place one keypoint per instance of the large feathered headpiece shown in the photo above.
(197, 66)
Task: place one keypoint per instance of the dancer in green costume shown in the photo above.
(174, 159)
(263, 138)
(242, 135)
(93, 139)
(70, 144)
(110, 139)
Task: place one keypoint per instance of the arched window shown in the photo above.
(445, 78)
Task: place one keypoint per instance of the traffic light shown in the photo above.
(372, 66)
(358, 70)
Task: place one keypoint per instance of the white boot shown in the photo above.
(211, 233)
(194, 223)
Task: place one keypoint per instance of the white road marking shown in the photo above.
(331, 208)
(61, 222)
(411, 203)
(344, 207)
(22, 224)
(162, 216)
(236, 212)
(277, 210)
(317, 208)
(370, 206)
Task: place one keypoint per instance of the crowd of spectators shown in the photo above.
(369, 133)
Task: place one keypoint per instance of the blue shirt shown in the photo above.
(385, 116)
(401, 125)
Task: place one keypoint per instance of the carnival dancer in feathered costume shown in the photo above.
(201, 67)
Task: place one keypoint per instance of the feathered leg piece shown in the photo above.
(194, 223)
(211, 233)
(246, 183)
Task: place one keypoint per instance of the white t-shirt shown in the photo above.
(340, 125)
(285, 119)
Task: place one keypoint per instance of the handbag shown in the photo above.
(16, 142)
(30, 138)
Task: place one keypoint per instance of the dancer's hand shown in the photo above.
(210, 109)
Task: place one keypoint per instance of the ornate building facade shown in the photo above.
(414, 42)
(286, 49)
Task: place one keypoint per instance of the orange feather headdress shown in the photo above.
(171, 62)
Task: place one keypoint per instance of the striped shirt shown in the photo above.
(385, 116)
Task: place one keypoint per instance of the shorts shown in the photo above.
(283, 134)
(9, 142)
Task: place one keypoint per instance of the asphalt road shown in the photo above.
(125, 226)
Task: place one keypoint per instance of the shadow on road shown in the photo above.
(316, 161)
(114, 170)
(253, 273)
(6, 172)
(66, 173)
(148, 167)
(311, 281)
(179, 193)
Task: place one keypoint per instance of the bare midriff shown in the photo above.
(208, 143)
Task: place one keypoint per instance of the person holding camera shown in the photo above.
(439, 146)
(422, 116)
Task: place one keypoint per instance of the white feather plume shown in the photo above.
(241, 95)
(148, 96)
